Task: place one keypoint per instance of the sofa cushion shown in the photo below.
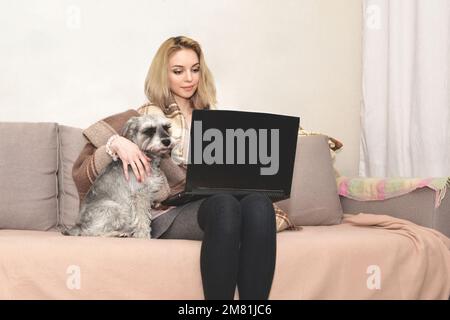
(72, 142)
(314, 198)
(28, 168)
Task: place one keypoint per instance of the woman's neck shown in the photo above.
(183, 104)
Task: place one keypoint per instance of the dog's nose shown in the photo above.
(165, 141)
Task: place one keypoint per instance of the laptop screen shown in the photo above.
(241, 150)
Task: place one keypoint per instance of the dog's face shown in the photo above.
(151, 133)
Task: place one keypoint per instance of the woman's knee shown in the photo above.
(220, 213)
(257, 203)
(257, 212)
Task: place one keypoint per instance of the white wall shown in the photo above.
(76, 61)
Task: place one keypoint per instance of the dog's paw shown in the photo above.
(142, 234)
(124, 235)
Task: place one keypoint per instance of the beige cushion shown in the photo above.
(28, 168)
(314, 198)
(72, 142)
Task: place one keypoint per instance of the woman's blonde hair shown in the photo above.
(156, 83)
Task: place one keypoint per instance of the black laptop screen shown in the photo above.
(242, 150)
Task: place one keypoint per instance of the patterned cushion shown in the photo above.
(282, 220)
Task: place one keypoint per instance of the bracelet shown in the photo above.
(108, 147)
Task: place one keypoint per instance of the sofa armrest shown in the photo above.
(416, 206)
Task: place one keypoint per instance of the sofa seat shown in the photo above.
(366, 257)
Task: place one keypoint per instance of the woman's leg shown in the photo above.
(258, 247)
(183, 226)
(219, 216)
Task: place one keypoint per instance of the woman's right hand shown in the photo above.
(130, 154)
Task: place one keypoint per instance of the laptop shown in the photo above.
(239, 152)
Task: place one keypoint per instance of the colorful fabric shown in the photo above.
(369, 189)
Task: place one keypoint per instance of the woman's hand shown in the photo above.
(130, 154)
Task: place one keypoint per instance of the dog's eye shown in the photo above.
(167, 127)
(150, 131)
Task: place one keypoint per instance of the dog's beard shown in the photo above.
(158, 151)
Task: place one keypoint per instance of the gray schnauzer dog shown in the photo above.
(114, 207)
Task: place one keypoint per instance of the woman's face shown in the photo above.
(184, 73)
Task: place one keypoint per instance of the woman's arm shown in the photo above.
(87, 167)
(93, 158)
(90, 163)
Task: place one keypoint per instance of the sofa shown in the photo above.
(342, 249)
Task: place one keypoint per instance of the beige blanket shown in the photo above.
(366, 257)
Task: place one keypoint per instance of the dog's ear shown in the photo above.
(130, 128)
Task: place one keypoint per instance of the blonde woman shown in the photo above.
(238, 236)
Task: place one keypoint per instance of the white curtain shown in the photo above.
(405, 112)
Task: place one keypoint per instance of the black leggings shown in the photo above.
(239, 246)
